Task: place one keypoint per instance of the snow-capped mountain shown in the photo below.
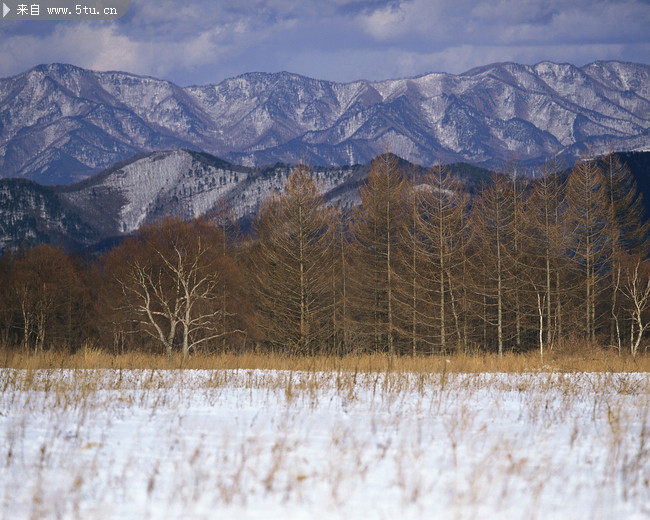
(60, 123)
(180, 183)
(145, 189)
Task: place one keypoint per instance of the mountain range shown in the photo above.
(60, 124)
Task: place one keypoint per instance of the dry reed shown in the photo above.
(578, 359)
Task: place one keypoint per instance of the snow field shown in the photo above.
(275, 444)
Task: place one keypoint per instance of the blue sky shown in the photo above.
(201, 41)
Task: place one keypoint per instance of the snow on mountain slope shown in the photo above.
(186, 184)
(180, 183)
(60, 123)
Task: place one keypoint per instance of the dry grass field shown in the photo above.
(575, 356)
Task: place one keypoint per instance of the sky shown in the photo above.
(194, 42)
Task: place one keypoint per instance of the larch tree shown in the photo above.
(493, 236)
(627, 229)
(546, 238)
(290, 266)
(376, 229)
(440, 230)
(588, 218)
(517, 259)
(413, 310)
(340, 281)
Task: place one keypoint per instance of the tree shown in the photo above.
(635, 286)
(171, 276)
(290, 266)
(376, 227)
(493, 237)
(547, 243)
(587, 218)
(627, 231)
(436, 240)
(6, 297)
(340, 274)
(224, 218)
(47, 293)
(411, 295)
(517, 258)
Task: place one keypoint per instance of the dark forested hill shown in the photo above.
(187, 184)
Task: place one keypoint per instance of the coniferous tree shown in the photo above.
(340, 280)
(627, 230)
(493, 236)
(515, 254)
(290, 267)
(587, 219)
(437, 241)
(546, 239)
(376, 228)
(413, 307)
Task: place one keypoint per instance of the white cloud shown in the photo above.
(457, 22)
(385, 23)
(104, 48)
(202, 41)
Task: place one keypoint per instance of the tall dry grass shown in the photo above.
(575, 356)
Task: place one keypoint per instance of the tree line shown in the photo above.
(418, 267)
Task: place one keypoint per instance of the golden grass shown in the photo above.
(560, 360)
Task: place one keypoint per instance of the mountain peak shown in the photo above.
(81, 121)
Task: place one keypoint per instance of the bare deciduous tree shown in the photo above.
(46, 288)
(635, 286)
(171, 277)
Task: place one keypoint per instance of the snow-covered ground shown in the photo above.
(267, 444)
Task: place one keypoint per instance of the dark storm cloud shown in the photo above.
(206, 41)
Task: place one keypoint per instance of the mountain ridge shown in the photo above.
(61, 123)
(179, 183)
(184, 183)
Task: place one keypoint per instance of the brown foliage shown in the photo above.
(175, 283)
(376, 229)
(415, 269)
(289, 265)
(44, 298)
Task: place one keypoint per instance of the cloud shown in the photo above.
(105, 48)
(386, 23)
(455, 22)
(201, 41)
